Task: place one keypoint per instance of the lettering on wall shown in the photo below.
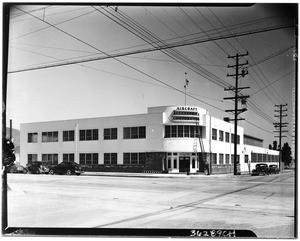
(185, 114)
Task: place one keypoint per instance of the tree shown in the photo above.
(286, 154)
(274, 145)
(8, 152)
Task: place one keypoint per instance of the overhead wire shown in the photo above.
(70, 35)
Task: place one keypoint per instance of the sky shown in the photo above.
(53, 74)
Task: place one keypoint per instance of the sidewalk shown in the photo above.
(159, 175)
(169, 175)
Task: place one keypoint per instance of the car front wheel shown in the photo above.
(51, 172)
(69, 172)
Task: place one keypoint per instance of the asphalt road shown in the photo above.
(263, 204)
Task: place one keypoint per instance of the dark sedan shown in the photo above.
(38, 167)
(260, 168)
(273, 169)
(69, 168)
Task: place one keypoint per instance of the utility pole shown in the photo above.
(236, 98)
(278, 126)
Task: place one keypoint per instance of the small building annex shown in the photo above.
(166, 139)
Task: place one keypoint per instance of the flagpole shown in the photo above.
(185, 87)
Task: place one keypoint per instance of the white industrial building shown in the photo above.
(163, 140)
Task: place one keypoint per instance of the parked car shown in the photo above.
(16, 168)
(68, 168)
(38, 167)
(273, 169)
(260, 168)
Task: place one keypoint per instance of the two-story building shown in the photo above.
(166, 139)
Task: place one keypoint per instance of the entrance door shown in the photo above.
(184, 164)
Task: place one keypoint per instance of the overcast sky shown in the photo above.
(44, 36)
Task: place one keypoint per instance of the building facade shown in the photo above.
(166, 139)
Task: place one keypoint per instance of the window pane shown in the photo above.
(114, 157)
(114, 133)
(142, 158)
(55, 136)
(142, 132)
(180, 131)
(167, 131)
(134, 158)
(71, 135)
(126, 158)
(95, 134)
(106, 134)
(134, 132)
(186, 131)
(82, 135)
(71, 157)
(214, 134)
(126, 132)
(221, 136)
(65, 157)
(88, 135)
(192, 130)
(174, 131)
(44, 137)
(95, 158)
(65, 136)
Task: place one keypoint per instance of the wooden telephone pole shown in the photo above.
(236, 98)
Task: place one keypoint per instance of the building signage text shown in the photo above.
(185, 114)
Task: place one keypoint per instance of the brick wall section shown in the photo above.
(153, 164)
(154, 161)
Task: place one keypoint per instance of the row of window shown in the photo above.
(214, 136)
(223, 159)
(90, 134)
(258, 157)
(92, 158)
(189, 131)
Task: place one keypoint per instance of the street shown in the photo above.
(263, 204)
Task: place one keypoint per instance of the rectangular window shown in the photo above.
(238, 139)
(32, 137)
(227, 158)
(110, 134)
(193, 163)
(214, 158)
(134, 158)
(50, 158)
(221, 159)
(227, 137)
(221, 135)
(88, 135)
(134, 132)
(126, 158)
(174, 131)
(186, 131)
(232, 139)
(50, 136)
(246, 158)
(110, 158)
(232, 158)
(167, 131)
(214, 134)
(142, 158)
(88, 158)
(32, 158)
(180, 131)
(68, 135)
(254, 157)
(175, 162)
(142, 132)
(68, 157)
(169, 162)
